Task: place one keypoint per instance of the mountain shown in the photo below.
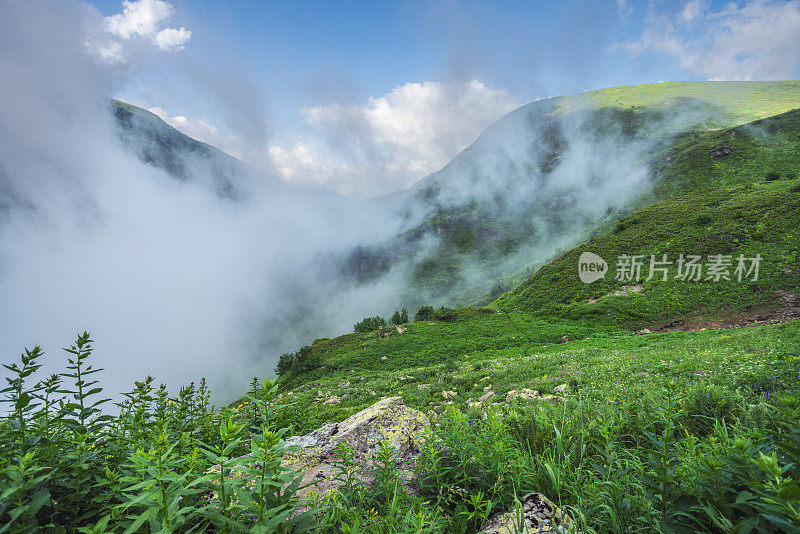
(538, 180)
(158, 144)
(728, 192)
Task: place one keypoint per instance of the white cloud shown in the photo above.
(201, 130)
(170, 39)
(384, 145)
(140, 20)
(625, 11)
(391, 141)
(759, 39)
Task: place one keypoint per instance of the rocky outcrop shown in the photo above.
(387, 420)
(529, 394)
(538, 513)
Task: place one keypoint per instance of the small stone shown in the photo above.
(486, 396)
(560, 389)
(539, 513)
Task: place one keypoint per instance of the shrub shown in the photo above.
(306, 359)
(425, 313)
(297, 362)
(67, 466)
(285, 364)
(772, 176)
(368, 324)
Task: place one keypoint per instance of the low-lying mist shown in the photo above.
(216, 274)
(173, 279)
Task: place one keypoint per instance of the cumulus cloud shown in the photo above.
(759, 39)
(140, 21)
(391, 141)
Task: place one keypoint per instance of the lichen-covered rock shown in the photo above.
(539, 516)
(387, 420)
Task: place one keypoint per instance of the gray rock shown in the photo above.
(539, 515)
(387, 420)
(486, 396)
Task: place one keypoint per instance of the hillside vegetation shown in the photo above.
(499, 208)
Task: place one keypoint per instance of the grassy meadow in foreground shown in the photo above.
(676, 432)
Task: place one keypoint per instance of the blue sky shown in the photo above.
(319, 92)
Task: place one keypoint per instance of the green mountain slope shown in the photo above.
(732, 192)
(742, 202)
(541, 178)
(158, 144)
(736, 102)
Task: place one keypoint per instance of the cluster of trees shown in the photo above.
(427, 313)
(368, 324)
(297, 362)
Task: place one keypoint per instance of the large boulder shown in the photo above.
(539, 515)
(387, 420)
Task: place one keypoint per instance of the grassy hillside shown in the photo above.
(737, 102)
(760, 218)
(486, 224)
(726, 397)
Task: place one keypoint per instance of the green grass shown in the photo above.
(757, 219)
(593, 450)
(607, 367)
(738, 102)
